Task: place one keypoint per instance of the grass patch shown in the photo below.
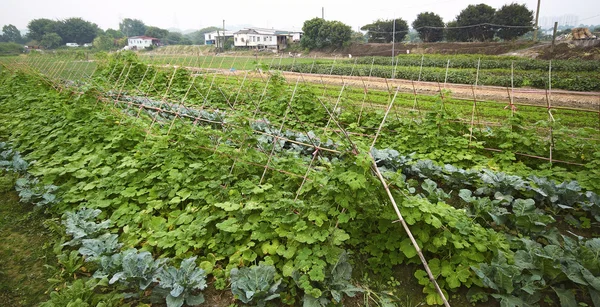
(23, 252)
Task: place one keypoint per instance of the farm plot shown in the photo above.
(575, 75)
(299, 183)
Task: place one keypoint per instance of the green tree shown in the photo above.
(319, 33)
(513, 15)
(132, 27)
(454, 34)
(358, 37)
(77, 30)
(156, 32)
(51, 40)
(311, 33)
(474, 18)
(197, 37)
(339, 36)
(381, 31)
(229, 43)
(429, 26)
(40, 27)
(11, 34)
(174, 38)
(104, 42)
(116, 34)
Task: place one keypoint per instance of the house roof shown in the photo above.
(220, 33)
(257, 31)
(265, 31)
(144, 37)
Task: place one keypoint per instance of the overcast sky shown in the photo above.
(282, 14)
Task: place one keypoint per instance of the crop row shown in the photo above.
(485, 62)
(576, 81)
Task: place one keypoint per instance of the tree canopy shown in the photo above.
(11, 34)
(103, 42)
(116, 34)
(381, 31)
(40, 27)
(51, 40)
(132, 27)
(513, 15)
(197, 37)
(479, 15)
(77, 30)
(423, 23)
(156, 32)
(319, 33)
(176, 38)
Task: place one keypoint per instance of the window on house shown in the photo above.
(236, 39)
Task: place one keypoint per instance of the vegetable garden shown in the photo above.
(172, 181)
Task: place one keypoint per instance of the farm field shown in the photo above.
(576, 75)
(279, 190)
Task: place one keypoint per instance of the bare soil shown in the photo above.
(371, 49)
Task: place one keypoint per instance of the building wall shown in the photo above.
(211, 38)
(253, 40)
(296, 37)
(139, 43)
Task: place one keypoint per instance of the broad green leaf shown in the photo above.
(566, 297)
(407, 248)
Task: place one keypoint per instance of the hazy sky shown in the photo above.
(263, 13)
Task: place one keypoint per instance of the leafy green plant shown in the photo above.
(105, 244)
(182, 283)
(31, 191)
(255, 284)
(81, 225)
(11, 160)
(84, 292)
(335, 285)
(138, 268)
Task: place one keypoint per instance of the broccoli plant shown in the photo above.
(106, 244)
(182, 283)
(81, 225)
(138, 268)
(11, 160)
(255, 284)
(31, 191)
(335, 285)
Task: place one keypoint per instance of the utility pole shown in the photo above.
(393, 46)
(323, 12)
(537, 16)
(223, 38)
(554, 36)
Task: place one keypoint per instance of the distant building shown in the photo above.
(260, 38)
(141, 42)
(212, 37)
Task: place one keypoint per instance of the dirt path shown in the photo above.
(557, 98)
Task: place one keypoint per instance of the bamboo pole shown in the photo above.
(407, 229)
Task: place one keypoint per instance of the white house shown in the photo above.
(212, 37)
(261, 38)
(141, 42)
(296, 35)
(255, 38)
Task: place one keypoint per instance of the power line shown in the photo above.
(589, 17)
(458, 27)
